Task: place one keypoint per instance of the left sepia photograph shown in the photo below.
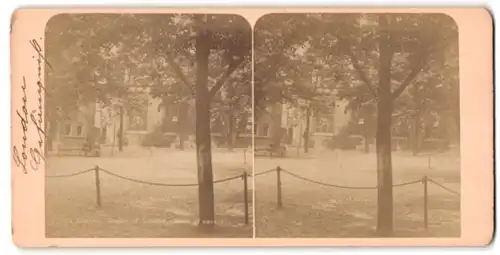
(149, 126)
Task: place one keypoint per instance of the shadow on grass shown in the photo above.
(130, 215)
(356, 219)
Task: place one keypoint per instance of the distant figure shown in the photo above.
(275, 146)
(91, 149)
(86, 147)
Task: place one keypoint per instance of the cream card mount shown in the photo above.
(252, 127)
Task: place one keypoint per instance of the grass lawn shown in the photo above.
(138, 210)
(312, 210)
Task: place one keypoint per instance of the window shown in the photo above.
(104, 132)
(324, 125)
(265, 130)
(290, 136)
(248, 127)
(79, 130)
(67, 129)
(137, 120)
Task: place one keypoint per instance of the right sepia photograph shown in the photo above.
(356, 125)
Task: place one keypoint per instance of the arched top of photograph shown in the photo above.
(386, 83)
(177, 84)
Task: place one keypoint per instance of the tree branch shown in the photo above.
(231, 104)
(179, 73)
(406, 82)
(275, 63)
(225, 77)
(361, 73)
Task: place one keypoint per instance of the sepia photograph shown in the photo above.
(240, 127)
(356, 125)
(149, 126)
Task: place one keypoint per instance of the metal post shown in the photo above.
(97, 186)
(426, 208)
(245, 195)
(429, 162)
(278, 180)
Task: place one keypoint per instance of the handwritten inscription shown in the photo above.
(20, 160)
(27, 156)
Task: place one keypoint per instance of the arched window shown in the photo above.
(137, 117)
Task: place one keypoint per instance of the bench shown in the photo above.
(82, 150)
(71, 148)
(271, 150)
(266, 150)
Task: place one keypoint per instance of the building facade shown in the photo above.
(72, 132)
(289, 122)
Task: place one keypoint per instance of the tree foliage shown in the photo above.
(103, 55)
(342, 50)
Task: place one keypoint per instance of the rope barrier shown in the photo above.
(261, 173)
(249, 175)
(141, 181)
(443, 187)
(146, 182)
(346, 187)
(228, 179)
(325, 184)
(69, 175)
(406, 183)
(164, 184)
(244, 177)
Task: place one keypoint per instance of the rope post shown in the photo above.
(97, 186)
(278, 185)
(429, 162)
(245, 156)
(245, 195)
(426, 208)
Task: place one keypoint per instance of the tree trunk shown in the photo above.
(181, 141)
(203, 139)
(416, 120)
(241, 126)
(306, 133)
(182, 117)
(166, 118)
(92, 131)
(384, 167)
(120, 131)
(231, 118)
(231, 131)
(383, 136)
(367, 139)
